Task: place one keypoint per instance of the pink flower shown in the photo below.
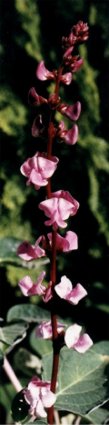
(74, 339)
(66, 243)
(44, 330)
(29, 288)
(59, 208)
(39, 397)
(70, 137)
(35, 99)
(65, 290)
(43, 73)
(70, 111)
(81, 31)
(76, 63)
(37, 127)
(66, 78)
(38, 169)
(30, 252)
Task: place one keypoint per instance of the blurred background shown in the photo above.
(31, 31)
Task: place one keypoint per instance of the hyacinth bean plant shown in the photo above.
(58, 207)
(41, 394)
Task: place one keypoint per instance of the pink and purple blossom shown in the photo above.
(70, 137)
(64, 243)
(30, 252)
(38, 169)
(59, 208)
(76, 340)
(39, 396)
(44, 330)
(70, 111)
(28, 288)
(65, 290)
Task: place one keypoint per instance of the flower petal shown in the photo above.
(71, 135)
(43, 73)
(77, 294)
(66, 78)
(25, 285)
(48, 399)
(64, 287)
(40, 411)
(72, 240)
(71, 111)
(37, 127)
(34, 98)
(72, 335)
(83, 344)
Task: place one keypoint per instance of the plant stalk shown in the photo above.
(11, 375)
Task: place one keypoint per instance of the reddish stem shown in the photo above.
(56, 349)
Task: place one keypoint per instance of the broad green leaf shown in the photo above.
(27, 312)
(27, 363)
(99, 416)
(40, 422)
(8, 254)
(39, 345)
(13, 334)
(7, 392)
(8, 249)
(82, 378)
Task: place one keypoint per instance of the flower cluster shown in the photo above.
(58, 207)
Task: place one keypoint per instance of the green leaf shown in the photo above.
(7, 392)
(82, 378)
(8, 249)
(40, 422)
(99, 416)
(13, 334)
(27, 312)
(27, 363)
(39, 345)
(103, 307)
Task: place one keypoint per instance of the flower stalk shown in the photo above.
(58, 207)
